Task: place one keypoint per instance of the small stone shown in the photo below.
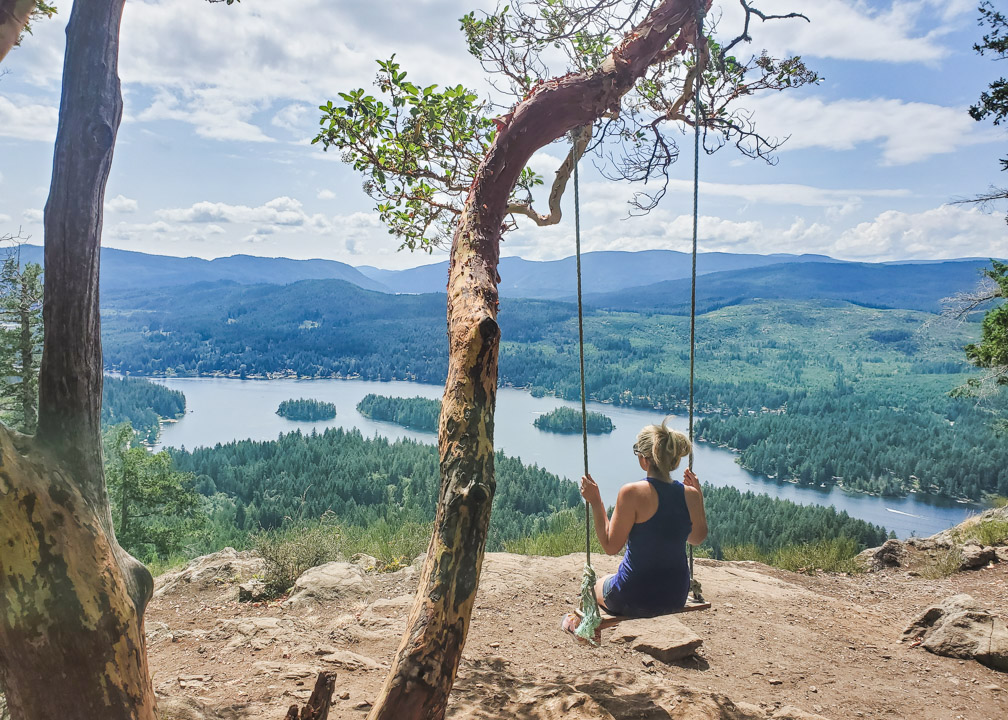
(345, 695)
(363, 705)
(814, 689)
(775, 681)
(252, 591)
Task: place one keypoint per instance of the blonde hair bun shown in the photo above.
(664, 447)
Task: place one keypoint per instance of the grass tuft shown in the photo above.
(942, 565)
(562, 534)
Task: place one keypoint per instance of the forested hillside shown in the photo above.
(360, 480)
(909, 287)
(364, 480)
(141, 403)
(859, 393)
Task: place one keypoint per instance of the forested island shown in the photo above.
(306, 410)
(868, 408)
(141, 403)
(568, 420)
(417, 413)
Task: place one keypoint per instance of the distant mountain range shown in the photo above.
(601, 272)
(907, 286)
(128, 270)
(651, 280)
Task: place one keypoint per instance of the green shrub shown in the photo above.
(562, 533)
(159, 566)
(290, 551)
(990, 532)
(746, 552)
(834, 555)
(942, 565)
(394, 546)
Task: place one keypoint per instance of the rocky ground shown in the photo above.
(774, 644)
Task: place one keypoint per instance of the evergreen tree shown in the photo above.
(20, 340)
(155, 509)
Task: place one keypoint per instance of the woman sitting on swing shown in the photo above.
(655, 518)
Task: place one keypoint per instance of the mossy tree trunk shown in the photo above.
(427, 661)
(71, 599)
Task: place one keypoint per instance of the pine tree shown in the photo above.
(20, 341)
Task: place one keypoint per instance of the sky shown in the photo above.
(214, 157)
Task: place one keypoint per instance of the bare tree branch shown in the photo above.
(744, 36)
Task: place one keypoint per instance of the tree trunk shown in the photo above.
(71, 641)
(14, 16)
(71, 599)
(426, 663)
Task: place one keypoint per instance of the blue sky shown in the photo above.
(213, 156)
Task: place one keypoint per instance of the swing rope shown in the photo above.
(698, 109)
(591, 618)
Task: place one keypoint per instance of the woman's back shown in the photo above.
(654, 575)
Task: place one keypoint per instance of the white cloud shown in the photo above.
(787, 193)
(27, 120)
(220, 72)
(295, 117)
(5, 218)
(948, 231)
(326, 194)
(212, 115)
(33, 215)
(122, 204)
(907, 131)
(281, 211)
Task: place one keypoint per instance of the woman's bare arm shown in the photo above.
(695, 505)
(612, 534)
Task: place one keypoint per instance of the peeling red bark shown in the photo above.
(427, 661)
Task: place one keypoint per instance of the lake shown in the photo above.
(220, 410)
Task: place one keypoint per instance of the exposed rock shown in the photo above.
(975, 556)
(285, 670)
(348, 660)
(252, 591)
(255, 633)
(947, 538)
(391, 608)
(219, 568)
(663, 638)
(1002, 554)
(935, 542)
(960, 627)
(792, 713)
(892, 554)
(364, 561)
(332, 582)
(183, 707)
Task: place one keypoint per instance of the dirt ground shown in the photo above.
(775, 644)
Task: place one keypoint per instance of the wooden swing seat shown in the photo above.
(611, 620)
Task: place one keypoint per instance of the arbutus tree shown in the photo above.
(16, 17)
(618, 76)
(72, 599)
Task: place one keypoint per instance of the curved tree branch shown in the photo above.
(581, 138)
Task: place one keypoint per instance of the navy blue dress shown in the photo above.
(654, 575)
